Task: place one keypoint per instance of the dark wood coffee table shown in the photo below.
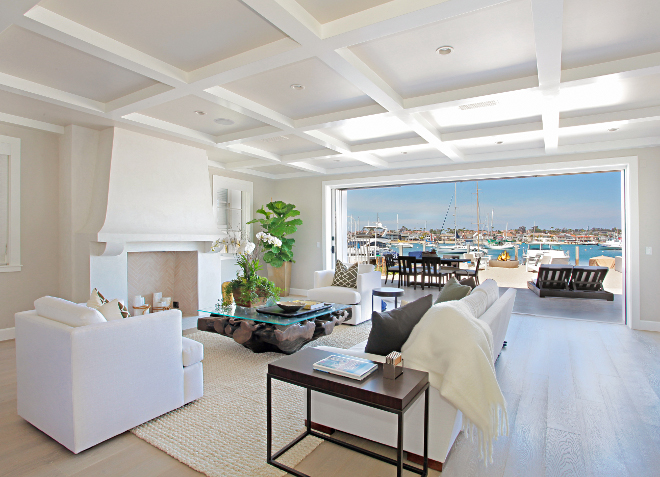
(395, 396)
(261, 332)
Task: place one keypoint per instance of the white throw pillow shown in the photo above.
(111, 310)
(67, 312)
(477, 303)
(96, 299)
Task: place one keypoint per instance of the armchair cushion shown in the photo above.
(345, 276)
(193, 351)
(345, 296)
(67, 312)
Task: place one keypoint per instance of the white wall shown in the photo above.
(39, 224)
(306, 194)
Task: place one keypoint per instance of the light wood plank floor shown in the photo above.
(583, 399)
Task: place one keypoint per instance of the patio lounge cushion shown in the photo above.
(344, 296)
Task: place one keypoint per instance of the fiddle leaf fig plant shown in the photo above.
(278, 222)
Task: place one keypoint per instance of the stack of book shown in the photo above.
(347, 366)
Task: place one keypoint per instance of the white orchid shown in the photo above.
(268, 238)
(246, 247)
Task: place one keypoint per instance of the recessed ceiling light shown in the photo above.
(613, 129)
(336, 160)
(223, 121)
(444, 50)
(404, 152)
(200, 113)
(297, 87)
(499, 142)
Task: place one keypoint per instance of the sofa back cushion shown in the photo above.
(490, 289)
(389, 330)
(67, 312)
(477, 303)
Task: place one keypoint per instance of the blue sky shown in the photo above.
(571, 201)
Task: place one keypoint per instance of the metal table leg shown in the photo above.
(399, 446)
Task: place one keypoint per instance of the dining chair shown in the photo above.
(408, 268)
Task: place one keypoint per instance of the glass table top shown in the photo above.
(252, 314)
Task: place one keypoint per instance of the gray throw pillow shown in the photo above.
(391, 329)
(453, 291)
(469, 281)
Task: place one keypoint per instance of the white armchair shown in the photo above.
(359, 298)
(82, 383)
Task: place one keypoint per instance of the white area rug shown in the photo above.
(223, 434)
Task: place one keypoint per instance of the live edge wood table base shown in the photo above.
(395, 396)
(261, 337)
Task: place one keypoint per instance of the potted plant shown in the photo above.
(278, 222)
(248, 288)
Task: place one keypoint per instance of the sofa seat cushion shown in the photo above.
(193, 351)
(67, 312)
(341, 295)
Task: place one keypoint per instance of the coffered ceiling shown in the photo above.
(287, 88)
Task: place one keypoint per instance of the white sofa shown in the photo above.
(359, 298)
(86, 383)
(444, 419)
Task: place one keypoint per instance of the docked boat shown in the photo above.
(499, 245)
(544, 252)
(611, 245)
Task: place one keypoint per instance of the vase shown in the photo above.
(249, 304)
(281, 277)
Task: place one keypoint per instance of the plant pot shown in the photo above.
(281, 277)
(261, 301)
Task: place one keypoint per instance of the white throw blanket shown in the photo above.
(456, 350)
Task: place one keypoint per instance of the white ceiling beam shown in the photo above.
(216, 164)
(140, 100)
(56, 27)
(395, 17)
(353, 69)
(24, 87)
(323, 139)
(390, 144)
(173, 129)
(245, 106)
(290, 18)
(305, 166)
(337, 118)
(12, 11)
(254, 152)
(254, 172)
(310, 155)
(247, 164)
(493, 132)
(635, 66)
(426, 130)
(31, 123)
(548, 19)
(630, 116)
(255, 134)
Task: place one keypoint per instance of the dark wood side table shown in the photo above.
(395, 396)
(387, 292)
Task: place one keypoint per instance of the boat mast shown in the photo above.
(478, 224)
(455, 212)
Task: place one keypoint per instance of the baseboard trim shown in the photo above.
(7, 334)
(647, 325)
(298, 291)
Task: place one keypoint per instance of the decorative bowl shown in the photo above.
(290, 306)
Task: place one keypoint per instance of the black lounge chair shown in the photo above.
(566, 281)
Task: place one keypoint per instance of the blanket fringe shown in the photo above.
(499, 426)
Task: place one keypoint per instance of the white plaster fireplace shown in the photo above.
(147, 196)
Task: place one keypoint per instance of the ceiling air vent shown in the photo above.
(483, 104)
(275, 139)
